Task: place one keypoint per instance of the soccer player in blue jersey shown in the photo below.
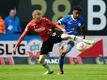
(74, 25)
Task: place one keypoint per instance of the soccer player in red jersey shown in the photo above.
(45, 29)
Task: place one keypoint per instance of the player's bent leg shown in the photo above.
(63, 51)
(42, 59)
(77, 39)
(66, 36)
(66, 47)
(45, 64)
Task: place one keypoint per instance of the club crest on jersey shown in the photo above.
(79, 24)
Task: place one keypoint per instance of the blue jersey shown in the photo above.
(72, 25)
(12, 25)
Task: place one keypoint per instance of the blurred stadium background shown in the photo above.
(93, 11)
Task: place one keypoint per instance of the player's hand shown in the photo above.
(14, 49)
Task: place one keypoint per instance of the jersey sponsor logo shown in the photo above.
(40, 29)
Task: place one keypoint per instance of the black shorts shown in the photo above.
(48, 45)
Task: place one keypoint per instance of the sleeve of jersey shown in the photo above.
(22, 36)
(62, 20)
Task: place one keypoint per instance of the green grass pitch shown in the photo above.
(72, 72)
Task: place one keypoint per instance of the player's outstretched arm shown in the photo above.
(54, 25)
(20, 39)
(60, 28)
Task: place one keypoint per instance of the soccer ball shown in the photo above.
(81, 46)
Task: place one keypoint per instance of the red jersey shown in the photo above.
(42, 29)
(2, 28)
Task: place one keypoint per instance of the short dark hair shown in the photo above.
(77, 8)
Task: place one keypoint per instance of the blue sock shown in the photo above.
(61, 62)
